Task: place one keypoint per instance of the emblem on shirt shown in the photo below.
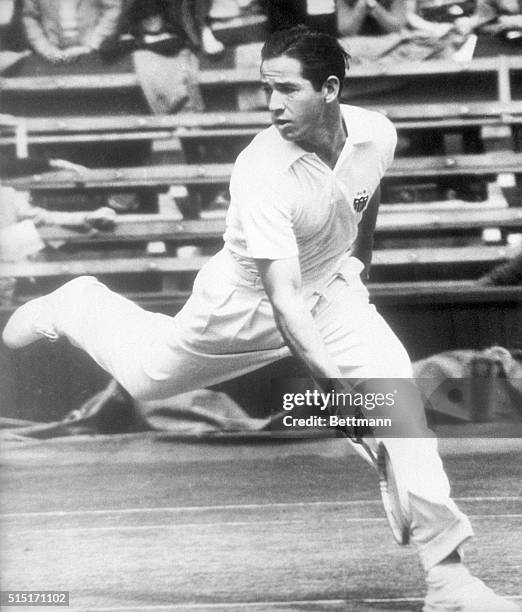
(360, 200)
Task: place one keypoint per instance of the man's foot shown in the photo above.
(30, 323)
(36, 319)
(451, 588)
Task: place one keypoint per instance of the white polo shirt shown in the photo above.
(286, 201)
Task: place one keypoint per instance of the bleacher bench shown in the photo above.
(419, 220)
(174, 265)
(164, 176)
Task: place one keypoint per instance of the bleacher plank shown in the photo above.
(238, 87)
(107, 265)
(443, 292)
(165, 176)
(164, 227)
(195, 125)
(173, 265)
(439, 255)
(122, 81)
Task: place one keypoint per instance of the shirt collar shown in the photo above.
(358, 133)
(356, 124)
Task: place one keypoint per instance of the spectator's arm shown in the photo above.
(107, 24)
(509, 273)
(510, 22)
(485, 13)
(429, 28)
(392, 20)
(350, 17)
(38, 41)
(103, 218)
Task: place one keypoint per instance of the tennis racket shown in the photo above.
(394, 494)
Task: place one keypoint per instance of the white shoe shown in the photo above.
(30, 323)
(210, 44)
(35, 319)
(454, 589)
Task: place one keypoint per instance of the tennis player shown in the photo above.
(304, 199)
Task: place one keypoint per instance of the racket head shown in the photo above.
(394, 497)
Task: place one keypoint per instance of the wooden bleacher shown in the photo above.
(421, 260)
(163, 176)
(493, 76)
(208, 126)
(419, 219)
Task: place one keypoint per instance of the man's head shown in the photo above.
(320, 55)
(302, 73)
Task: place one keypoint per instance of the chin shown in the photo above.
(287, 134)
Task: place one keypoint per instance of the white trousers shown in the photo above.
(227, 329)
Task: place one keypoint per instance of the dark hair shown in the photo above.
(319, 54)
(143, 9)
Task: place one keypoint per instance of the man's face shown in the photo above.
(295, 106)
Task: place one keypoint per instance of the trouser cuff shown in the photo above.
(445, 543)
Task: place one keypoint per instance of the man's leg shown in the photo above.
(153, 356)
(364, 347)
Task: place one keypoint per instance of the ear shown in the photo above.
(331, 88)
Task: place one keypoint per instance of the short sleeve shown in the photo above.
(388, 139)
(265, 212)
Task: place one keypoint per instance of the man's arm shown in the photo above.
(363, 246)
(282, 282)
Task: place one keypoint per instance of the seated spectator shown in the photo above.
(17, 206)
(167, 26)
(316, 14)
(19, 218)
(162, 40)
(425, 22)
(62, 31)
(338, 17)
(370, 17)
(496, 17)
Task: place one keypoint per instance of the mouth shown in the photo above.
(281, 123)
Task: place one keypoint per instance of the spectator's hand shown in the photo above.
(440, 29)
(53, 55)
(103, 218)
(62, 164)
(463, 25)
(73, 53)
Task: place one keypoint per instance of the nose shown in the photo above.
(275, 101)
